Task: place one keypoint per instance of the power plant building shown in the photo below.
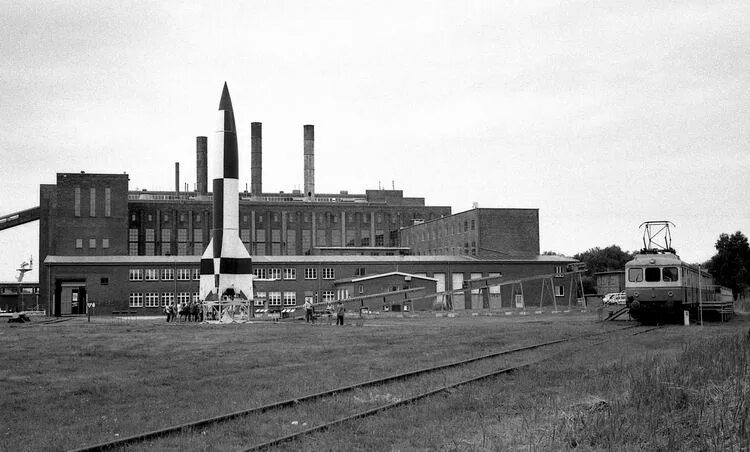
(124, 249)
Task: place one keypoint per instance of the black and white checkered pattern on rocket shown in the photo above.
(226, 266)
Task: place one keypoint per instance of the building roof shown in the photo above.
(382, 275)
(194, 260)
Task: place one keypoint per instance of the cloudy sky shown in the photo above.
(601, 114)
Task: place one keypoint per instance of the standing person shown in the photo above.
(340, 310)
(309, 316)
(168, 311)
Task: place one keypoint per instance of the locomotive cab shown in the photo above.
(654, 285)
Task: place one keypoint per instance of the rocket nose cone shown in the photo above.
(226, 102)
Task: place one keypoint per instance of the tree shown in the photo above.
(604, 259)
(601, 260)
(730, 266)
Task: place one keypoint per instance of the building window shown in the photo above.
(152, 299)
(311, 273)
(290, 273)
(150, 249)
(133, 248)
(135, 274)
(152, 274)
(559, 269)
(92, 205)
(183, 274)
(260, 298)
(105, 243)
(77, 201)
(149, 235)
(167, 274)
(196, 298)
(92, 243)
(260, 272)
(343, 294)
(328, 296)
(183, 297)
(359, 271)
(182, 235)
(133, 235)
(197, 274)
(559, 291)
(182, 249)
(198, 235)
(290, 298)
(274, 298)
(107, 202)
(473, 225)
(245, 235)
(135, 300)
(328, 273)
(166, 235)
(361, 289)
(274, 273)
(104, 281)
(79, 243)
(167, 298)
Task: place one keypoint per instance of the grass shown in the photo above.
(70, 384)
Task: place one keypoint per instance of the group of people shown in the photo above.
(190, 312)
(310, 312)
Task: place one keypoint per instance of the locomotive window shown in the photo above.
(653, 274)
(635, 275)
(670, 274)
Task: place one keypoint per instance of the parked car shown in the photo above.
(614, 298)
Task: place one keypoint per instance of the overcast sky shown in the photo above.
(601, 114)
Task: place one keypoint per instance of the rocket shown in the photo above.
(226, 266)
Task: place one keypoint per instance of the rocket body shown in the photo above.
(226, 265)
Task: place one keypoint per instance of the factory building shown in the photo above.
(95, 231)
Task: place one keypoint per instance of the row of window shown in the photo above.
(654, 274)
(92, 201)
(156, 299)
(92, 243)
(444, 230)
(163, 274)
(186, 274)
(327, 217)
(450, 251)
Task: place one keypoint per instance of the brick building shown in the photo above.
(146, 283)
(477, 232)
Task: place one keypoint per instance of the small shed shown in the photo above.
(610, 282)
(388, 282)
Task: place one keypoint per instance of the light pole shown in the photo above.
(700, 295)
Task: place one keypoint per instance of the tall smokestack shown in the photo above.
(309, 134)
(177, 176)
(256, 158)
(201, 145)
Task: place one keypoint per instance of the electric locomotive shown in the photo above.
(659, 286)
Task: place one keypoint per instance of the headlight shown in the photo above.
(669, 294)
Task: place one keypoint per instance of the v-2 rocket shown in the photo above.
(226, 266)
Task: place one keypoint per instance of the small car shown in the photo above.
(614, 298)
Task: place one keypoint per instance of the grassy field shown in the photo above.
(70, 384)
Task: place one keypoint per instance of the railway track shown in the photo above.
(354, 401)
